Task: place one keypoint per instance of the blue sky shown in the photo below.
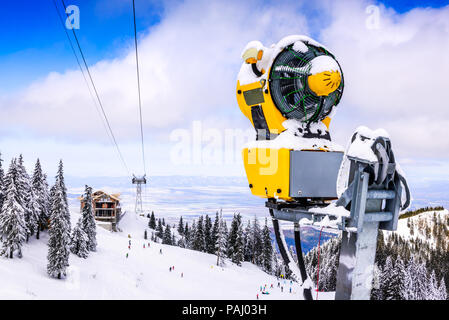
(36, 61)
(32, 42)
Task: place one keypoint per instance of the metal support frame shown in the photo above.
(138, 181)
(372, 207)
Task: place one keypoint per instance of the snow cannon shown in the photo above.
(289, 91)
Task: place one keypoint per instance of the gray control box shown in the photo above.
(313, 174)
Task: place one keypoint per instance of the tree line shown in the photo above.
(405, 269)
(28, 207)
(250, 243)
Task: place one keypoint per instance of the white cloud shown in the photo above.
(395, 78)
(395, 75)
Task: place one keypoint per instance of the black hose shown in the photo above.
(307, 292)
(301, 264)
(407, 192)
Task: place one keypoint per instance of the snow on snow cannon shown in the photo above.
(289, 92)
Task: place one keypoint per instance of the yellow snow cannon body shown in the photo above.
(292, 86)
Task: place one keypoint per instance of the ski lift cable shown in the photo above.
(97, 95)
(83, 74)
(138, 87)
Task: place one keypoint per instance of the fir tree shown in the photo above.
(24, 190)
(181, 226)
(237, 255)
(79, 241)
(186, 235)
(33, 218)
(152, 222)
(267, 253)
(163, 222)
(61, 185)
(198, 236)
(255, 239)
(159, 229)
(2, 183)
(59, 231)
(192, 234)
(221, 243)
(167, 238)
(40, 187)
(232, 236)
(12, 221)
(391, 280)
(145, 234)
(432, 288)
(247, 248)
(208, 242)
(442, 290)
(88, 220)
(214, 233)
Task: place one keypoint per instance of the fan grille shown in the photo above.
(289, 88)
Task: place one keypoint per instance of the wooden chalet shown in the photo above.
(106, 208)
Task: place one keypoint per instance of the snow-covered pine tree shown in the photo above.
(159, 229)
(181, 227)
(163, 222)
(411, 290)
(442, 290)
(167, 238)
(88, 220)
(256, 242)
(24, 188)
(391, 280)
(237, 255)
(222, 242)
(61, 184)
(232, 236)
(152, 222)
(79, 241)
(186, 235)
(248, 247)
(198, 237)
(267, 253)
(423, 281)
(276, 265)
(40, 188)
(192, 233)
(2, 183)
(33, 219)
(432, 292)
(12, 220)
(181, 242)
(208, 242)
(214, 232)
(59, 231)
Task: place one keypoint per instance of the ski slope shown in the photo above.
(427, 220)
(108, 274)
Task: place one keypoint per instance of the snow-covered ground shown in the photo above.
(426, 219)
(108, 274)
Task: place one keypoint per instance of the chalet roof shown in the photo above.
(97, 194)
